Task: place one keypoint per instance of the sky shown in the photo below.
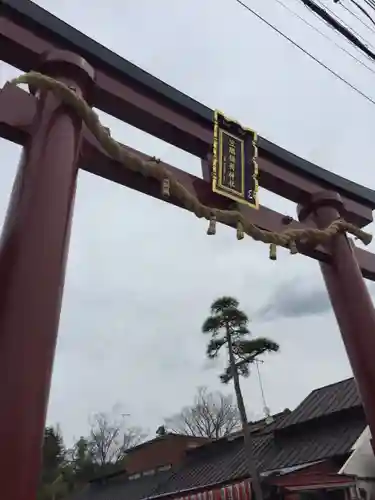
(142, 274)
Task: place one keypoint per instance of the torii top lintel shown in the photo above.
(171, 115)
(136, 97)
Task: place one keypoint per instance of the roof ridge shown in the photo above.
(165, 436)
(330, 385)
(277, 414)
(323, 401)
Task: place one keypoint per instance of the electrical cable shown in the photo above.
(370, 3)
(370, 57)
(370, 28)
(290, 40)
(325, 36)
(334, 14)
(266, 410)
(339, 26)
(364, 11)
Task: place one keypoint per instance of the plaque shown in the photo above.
(234, 162)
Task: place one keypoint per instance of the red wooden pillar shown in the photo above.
(33, 252)
(350, 299)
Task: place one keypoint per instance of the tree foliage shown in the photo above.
(100, 452)
(53, 453)
(228, 327)
(82, 466)
(52, 485)
(212, 415)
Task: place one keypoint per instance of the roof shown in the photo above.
(325, 401)
(227, 462)
(317, 443)
(121, 487)
(187, 106)
(264, 427)
(220, 462)
(224, 460)
(173, 435)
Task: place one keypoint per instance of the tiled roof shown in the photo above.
(122, 488)
(317, 443)
(167, 436)
(262, 425)
(217, 463)
(225, 460)
(325, 401)
(282, 444)
(228, 461)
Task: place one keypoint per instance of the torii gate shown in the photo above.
(35, 237)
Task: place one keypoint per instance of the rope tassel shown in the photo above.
(166, 188)
(212, 226)
(293, 247)
(240, 231)
(273, 251)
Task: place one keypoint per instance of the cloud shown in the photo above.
(297, 298)
(294, 299)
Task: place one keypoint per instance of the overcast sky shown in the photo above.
(142, 274)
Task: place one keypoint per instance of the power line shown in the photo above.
(331, 23)
(274, 28)
(364, 11)
(370, 28)
(367, 52)
(370, 3)
(266, 410)
(324, 35)
(340, 27)
(335, 15)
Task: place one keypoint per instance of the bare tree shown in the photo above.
(110, 438)
(212, 415)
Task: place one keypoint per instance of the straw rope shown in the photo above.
(289, 238)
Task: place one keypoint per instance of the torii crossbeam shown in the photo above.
(35, 237)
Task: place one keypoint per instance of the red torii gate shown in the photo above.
(35, 238)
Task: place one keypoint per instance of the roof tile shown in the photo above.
(228, 461)
(324, 401)
(225, 460)
(317, 443)
(221, 462)
(121, 488)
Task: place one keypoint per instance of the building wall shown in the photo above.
(361, 463)
(322, 475)
(162, 451)
(304, 476)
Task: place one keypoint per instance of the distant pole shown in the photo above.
(33, 252)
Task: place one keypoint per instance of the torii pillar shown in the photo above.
(33, 253)
(350, 299)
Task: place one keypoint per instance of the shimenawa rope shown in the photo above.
(289, 238)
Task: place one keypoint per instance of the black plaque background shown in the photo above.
(223, 177)
(220, 185)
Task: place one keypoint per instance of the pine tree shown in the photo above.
(228, 326)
